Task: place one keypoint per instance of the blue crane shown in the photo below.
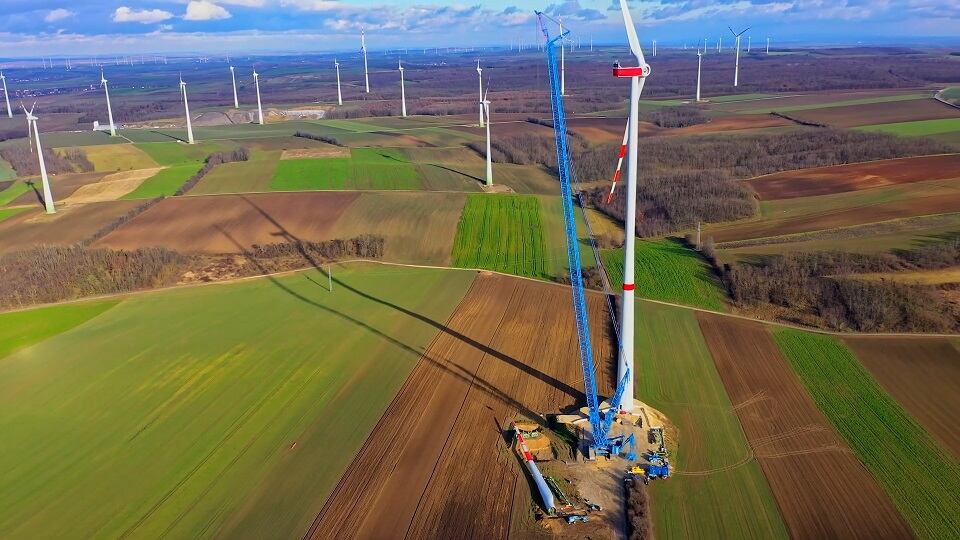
(599, 427)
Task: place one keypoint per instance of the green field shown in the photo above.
(165, 183)
(922, 478)
(174, 153)
(669, 271)
(118, 157)
(844, 103)
(6, 213)
(179, 414)
(717, 490)
(503, 233)
(918, 128)
(240, 176)
(6, 171)
(366, 168)
(12, 192)
(21, 329)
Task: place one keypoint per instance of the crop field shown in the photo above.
(68, 226)
(418, 228)
(21, 329)
(231, 224)
(6, 213)
(236, 425)
(111, 187)
(6, 171)
(853, 177)
(790, 437)
(139, 136)
(240, 176)
(923, 375)
(813, 100)
(174, 153)
(918, 128)
(925, 109)
(82, 138)
(118, 157)
(839, 103)
(891, 444)
(62, 185)
(490, 365)
(503, 233)
(165, 182)
(718, 489)
(669, 271)
(555, 237)
(367, 168)
(13, 192)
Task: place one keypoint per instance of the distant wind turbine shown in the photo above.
(32, 127)
(403, 92)
(563, 63)
(749, 43)
(6, 96)
(768, 47)
(256, 82)
(106, 92)
(480, 76)
(233, 77)
(186, 110)
(485, 103)
(339, 93)
(736, 73)
(363, 47)
(699, 62)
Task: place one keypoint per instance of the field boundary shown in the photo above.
(846, 164)
(450, 268)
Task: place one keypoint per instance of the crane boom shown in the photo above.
(573, 248)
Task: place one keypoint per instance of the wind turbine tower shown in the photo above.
(186, 109)
(563, 63)
(655, 48)
(32, 126)
(363, 47)
(637, 76)
(106, 92)
(485, 103)
(749, 43)
(6, 96)
(768, 50)
(736, 73)
(480, 76)
(699, 62)
(233, 77)
(256, 82)
(403, 92)
(339, 93)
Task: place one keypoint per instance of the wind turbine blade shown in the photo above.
(731, 31)
(632, 33)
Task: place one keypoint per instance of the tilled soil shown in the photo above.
(856, 176)
(821, 488)
(438, 463)
(923, 375)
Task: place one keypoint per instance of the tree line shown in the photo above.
(214, 159)
(24, 160)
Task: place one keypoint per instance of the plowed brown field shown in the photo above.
(62, 185)
(878, 113)
(438, 460)
(842, 178)
(822, 489)
(923, 374)
(844, 217)
(69, 225)
(731, 123)
(225, 224)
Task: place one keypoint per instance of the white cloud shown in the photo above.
(144, 16)
(58, 14)
(204, 10)
(244, 3)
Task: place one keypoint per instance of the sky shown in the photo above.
(85, 27)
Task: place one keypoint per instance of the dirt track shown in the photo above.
(218, 224)
(843, 178)
(437, 460)
(923, 375)
(822, 489)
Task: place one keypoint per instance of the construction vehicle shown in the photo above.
(656, 437)
(600, 441)
(575, 518)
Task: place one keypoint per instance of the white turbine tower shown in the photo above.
(655, 48)
(749, 43)
(480, 76)
(233, 77)
(32, 127)
(403, 92)
(768, 50)
(339, 93)
(186, 110)
(637, 76)
(6, 97)
(256, 82)
(106, 92)
(363, 47)
(736, 73)
(485, 103)
(699, 62)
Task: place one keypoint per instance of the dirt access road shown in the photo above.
(438, 459)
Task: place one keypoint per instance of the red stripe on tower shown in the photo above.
(629, 286)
